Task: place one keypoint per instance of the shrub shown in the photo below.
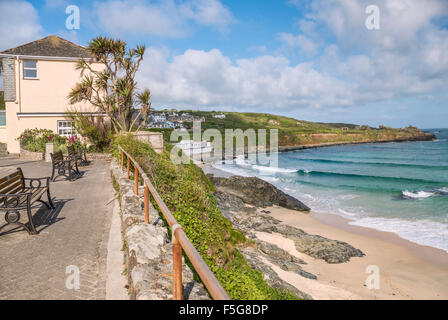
(188, 193)
(97, 130)
(35, 140)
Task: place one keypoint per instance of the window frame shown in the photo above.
(71, 127)
(28, 68)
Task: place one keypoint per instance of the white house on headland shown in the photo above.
(190, 147)
(219, 116)
(37, 77)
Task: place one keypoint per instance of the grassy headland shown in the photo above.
(298, 133)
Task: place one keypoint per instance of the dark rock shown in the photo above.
(252, 256)
(249, 220)
(332, 251)
(257, 192)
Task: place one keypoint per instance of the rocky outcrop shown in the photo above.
(252, 256)
(248, 220)
(256, 192)
(148, 250)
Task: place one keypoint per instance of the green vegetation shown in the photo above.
(97, 130)
(189, 195)
(292, 132)
(35, 140)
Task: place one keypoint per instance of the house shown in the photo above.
(219, 116)
(37, 77)
(190, 147)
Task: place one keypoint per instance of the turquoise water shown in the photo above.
(396, 187)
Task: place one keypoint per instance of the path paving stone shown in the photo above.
(74, 234)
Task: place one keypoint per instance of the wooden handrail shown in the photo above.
(179, 239)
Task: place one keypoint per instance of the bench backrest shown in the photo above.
(57, 156)
(12, 183)
(71, 149)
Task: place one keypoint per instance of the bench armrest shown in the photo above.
(6, 203)
(37, 182)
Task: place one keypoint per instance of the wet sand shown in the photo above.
(406, 270)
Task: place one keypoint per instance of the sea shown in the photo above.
(399, 187)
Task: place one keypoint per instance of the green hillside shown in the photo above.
(294, 132)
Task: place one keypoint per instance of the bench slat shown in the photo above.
(15, 187)
(11, 176)
(9, 182)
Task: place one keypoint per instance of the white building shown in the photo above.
(190, 147)
(219, 116)
(157, 118)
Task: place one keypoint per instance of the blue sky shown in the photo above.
(312, 60)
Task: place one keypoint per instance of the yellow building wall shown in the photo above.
(47, 93)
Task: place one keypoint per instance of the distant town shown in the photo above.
(174, 119)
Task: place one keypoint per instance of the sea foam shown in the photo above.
(273, 169)
(423, 232)
(417, 195)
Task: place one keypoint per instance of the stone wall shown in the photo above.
(32, 156)
(98, 156)
(148, 253)
(155, 139)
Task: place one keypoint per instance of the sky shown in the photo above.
(311, 60)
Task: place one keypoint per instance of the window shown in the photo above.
(65, 128)
(30, 69)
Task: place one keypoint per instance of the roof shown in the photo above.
(51, 46)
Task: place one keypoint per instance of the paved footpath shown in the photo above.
(74, 234)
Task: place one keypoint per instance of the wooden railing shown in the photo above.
(179, 238)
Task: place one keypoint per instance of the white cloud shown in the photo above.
(19, 24)
(355, 68)
(210, 79)
(208, 13)
(301, 43)
(404, 58)
(161, 18)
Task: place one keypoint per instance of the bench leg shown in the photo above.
(30, 219)
(52, 174)
(70, 173)
(76, 168)
(49, 199)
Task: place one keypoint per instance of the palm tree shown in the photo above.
(144, 100)
(113, 88)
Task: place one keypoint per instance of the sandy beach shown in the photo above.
(406, 270)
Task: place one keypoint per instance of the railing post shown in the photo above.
(122, 160)
(146, 201)
(136, 179)
(128, 168)
(177, 269)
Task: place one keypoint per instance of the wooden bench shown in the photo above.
(18, 193)
(64, 166)
(78, 155)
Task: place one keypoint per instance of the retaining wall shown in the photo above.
(148, 249)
